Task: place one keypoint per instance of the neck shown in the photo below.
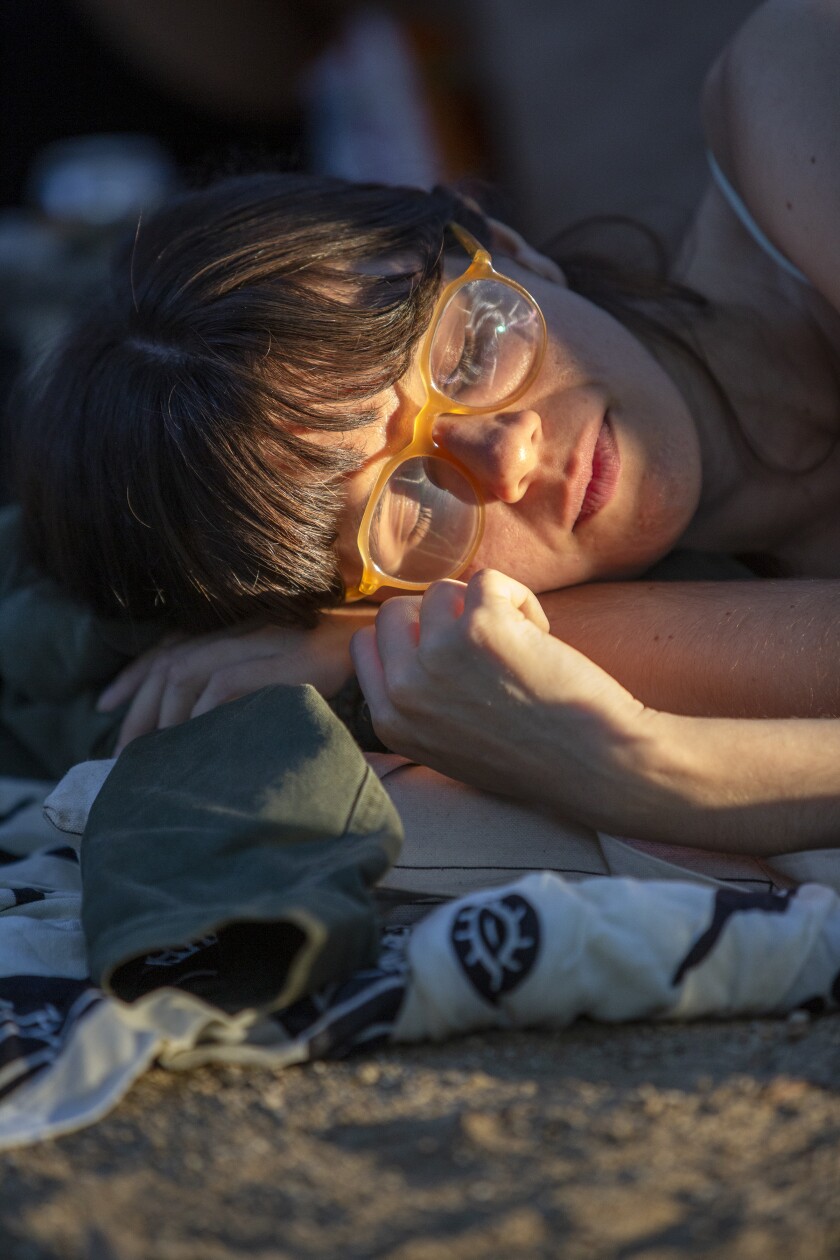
(765, 413)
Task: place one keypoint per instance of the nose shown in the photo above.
(501, 449)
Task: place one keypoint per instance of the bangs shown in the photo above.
(166, 463)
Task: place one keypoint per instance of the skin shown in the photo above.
(528, 716)
(532, 465)
(533, 462)
(759, 786)
(473, 679)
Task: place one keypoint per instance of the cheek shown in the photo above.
(500, 541)
(522, 551)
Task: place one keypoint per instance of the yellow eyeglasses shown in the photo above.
(482, 350)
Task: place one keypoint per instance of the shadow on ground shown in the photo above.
(637, 1142)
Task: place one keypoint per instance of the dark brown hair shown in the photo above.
(162, 460)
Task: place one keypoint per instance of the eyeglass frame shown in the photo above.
(437, 403)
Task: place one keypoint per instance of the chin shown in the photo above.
(661, 523)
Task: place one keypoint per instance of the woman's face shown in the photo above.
(594, 473)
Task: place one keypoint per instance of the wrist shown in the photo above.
(756, 786)
(622, 775)
(654, 774)
(692, 778)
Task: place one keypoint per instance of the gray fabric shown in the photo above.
(55, 658)
(260, 822)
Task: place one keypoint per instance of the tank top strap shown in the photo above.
(738, 205)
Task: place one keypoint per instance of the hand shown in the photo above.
(469, 681)
(184, 677)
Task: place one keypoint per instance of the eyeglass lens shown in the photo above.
(425, 522)
(486, 344)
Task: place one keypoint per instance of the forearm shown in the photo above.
(759, 787)
(728, 649)
(468, 682)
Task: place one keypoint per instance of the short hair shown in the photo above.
(162, 463)
(161, 457)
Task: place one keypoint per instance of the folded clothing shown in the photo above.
(260, 823)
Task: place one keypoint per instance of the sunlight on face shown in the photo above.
(594, 473)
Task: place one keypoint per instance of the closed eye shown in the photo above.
(421, 526)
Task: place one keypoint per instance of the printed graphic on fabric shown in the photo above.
(497, 943)
(358, 1013)
(37, 1014)
(729, 901)
(181, 953)
(194, 966)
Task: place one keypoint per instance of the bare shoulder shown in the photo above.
(771, 109)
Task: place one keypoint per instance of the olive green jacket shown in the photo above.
(260, 823)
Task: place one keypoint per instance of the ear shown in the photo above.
(506, 241)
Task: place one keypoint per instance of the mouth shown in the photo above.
(606, 469)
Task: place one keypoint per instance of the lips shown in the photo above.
(606, 467)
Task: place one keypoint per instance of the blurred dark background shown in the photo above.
(70, 69)
(565, 108)
(574, 106)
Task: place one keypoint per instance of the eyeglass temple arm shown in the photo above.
(465, 238)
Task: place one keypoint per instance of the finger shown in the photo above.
(204, 653)
(128, 680)
(178, 698)
(196, 668)
(401, 610)
(237, 680)
(196, 661)
(397, 629)
(371, 676)
(443, 602)
(123, 687)
(364, 653)
(142, 715)
(492, 587)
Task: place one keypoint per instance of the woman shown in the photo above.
(282, 365)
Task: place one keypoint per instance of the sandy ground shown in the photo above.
(650, 1142)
